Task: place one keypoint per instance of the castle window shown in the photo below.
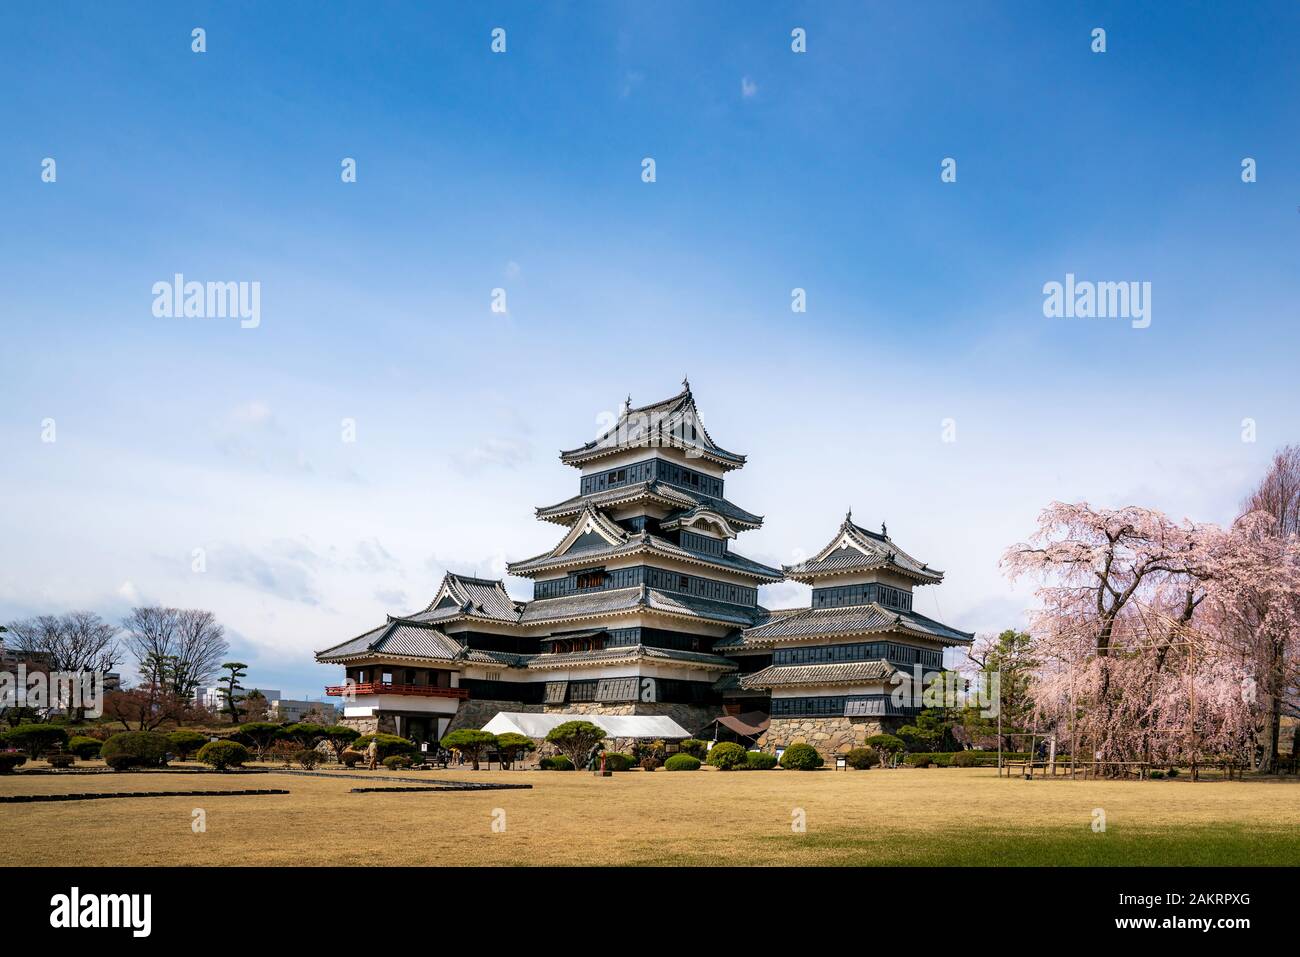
(592, 579)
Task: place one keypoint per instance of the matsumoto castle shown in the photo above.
(643, 607)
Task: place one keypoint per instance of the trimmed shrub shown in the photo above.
(10, 760)
(862, 758)
(727, 756)
(84, 747)
(759, 761)
(60, 759)
(184, 743)
(694, 747)
(36, 739)
(682, 762)
(801, 757)
(616, 761)
(886, 742)
(1173, 772)
(966, 759)
(650, 763)
(135, 749)
(919, 760)
(224, 754)
(350, 757)
(556, 762)
(389, 744)
(395, 762)
(309, 758)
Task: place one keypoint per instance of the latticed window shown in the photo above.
(555, 691)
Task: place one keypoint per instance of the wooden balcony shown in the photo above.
(383, 687)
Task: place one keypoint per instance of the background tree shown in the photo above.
(471, 743)
(512, 746)
(340, 736)
(576, 739)
(200, 645)
(78, 642)
(255, 707)
(1009, 655)
(261, 733)
(231, 687)
(1264, 614)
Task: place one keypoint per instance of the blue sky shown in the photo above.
(521, 171)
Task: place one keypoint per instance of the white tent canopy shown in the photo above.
(616, 726)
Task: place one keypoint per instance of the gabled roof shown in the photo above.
(835, 673)
(848, 621)
(855, 549)
(670, 423)
(572, 552)
(629, 653)
(670, 496)
(616, 601)
(462, 596)
(397, 638)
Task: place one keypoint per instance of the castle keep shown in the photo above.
(643, 607)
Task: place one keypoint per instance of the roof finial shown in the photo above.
(686, 383)
(883, 530)
(848, 516)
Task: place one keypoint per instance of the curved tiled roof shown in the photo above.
(636, 542)
(855, 549)
(670, 423)
(669, 495)
(397, 638)
(851, 620)
(616, 600)
(836, 673)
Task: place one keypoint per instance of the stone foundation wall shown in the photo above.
(828, 735)
(475, 714)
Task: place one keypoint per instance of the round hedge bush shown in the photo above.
(759, 761)
(60, 759)
(919, 760)
(616, 761)
(10, 760)
(36, 739)
(727, 756)
(556, 762)
(184, 743)
(862, 758)
(694, 747)
(224, 754)
(308, 758)
(886, 742)
(135, 749)
(682, 762)
(965, 759)
(801, 757)
(84, 747)
(395, 762)
(350, 758)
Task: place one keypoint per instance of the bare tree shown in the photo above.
(176, 649)
(151, 640)
(78, 642)
(200, 646)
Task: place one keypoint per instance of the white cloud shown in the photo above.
(748, 87)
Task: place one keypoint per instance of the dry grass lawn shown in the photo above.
(905, 816)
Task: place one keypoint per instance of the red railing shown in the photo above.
(382, 687)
